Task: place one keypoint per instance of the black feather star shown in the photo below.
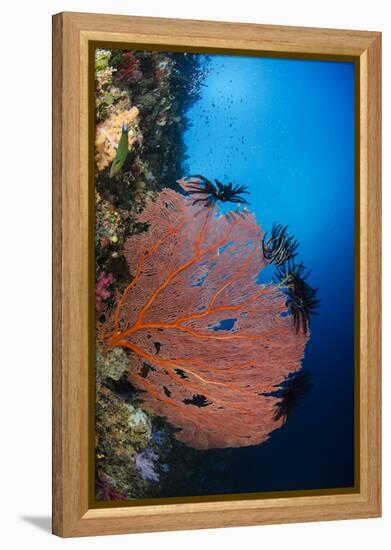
(291, 391)
(209, 193)
(301, 297)
(279, 247)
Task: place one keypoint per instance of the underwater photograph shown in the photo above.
(224, 276)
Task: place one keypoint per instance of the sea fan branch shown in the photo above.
(207, 341)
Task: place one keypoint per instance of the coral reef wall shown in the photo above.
(147, 92)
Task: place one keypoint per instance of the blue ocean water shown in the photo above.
(285, 128)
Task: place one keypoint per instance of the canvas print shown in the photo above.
(224, 275)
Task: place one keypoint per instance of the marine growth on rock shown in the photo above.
(108, 134)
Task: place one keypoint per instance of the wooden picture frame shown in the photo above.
(72, 33)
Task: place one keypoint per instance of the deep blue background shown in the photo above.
(285, 128)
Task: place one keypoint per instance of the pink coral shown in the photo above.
(102, 290)
(208, 341)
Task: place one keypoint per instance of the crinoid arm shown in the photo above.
(279, 247)
(240, 189)
(220, 186)
(231, 193)
(291, 392)
(238, 199)
(302, 300)
(196, 177)
(204, 191)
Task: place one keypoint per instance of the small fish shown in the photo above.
(122, 152)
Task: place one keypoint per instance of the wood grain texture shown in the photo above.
(71, 35)
(212, 34)
(372, 260)
(58, 466)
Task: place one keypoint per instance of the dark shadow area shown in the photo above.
(44, 523)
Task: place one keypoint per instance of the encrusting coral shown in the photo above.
(207, 341)
(111, 365)
(108, 134)
(123, 432)
(109, 99)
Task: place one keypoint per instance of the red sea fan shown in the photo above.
(207, 341)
